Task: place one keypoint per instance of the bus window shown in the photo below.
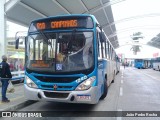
(99, 46)
(111, 52)
(114, 55)
(106, 52)
(31, 49)
(51, 48)
(100, 49)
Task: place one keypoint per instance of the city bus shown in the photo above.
(68, 58)
(156, 63)
(142, 63)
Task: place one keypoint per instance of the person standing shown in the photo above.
(5, 76)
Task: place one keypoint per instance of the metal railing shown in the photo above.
(17, 75)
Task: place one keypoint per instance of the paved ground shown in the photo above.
(133, 90)
(17, 99)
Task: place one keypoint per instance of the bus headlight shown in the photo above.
(86, 84)
(30, 83)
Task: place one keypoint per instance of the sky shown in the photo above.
(134, 16)
(130, 16)
(12, 28)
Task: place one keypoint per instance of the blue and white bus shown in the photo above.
(142, 63)
(68, 59)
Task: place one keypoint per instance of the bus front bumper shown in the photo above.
(90, 96)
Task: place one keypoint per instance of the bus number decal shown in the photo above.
(81, 79)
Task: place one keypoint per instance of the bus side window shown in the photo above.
(112, 54)
(106, 50)
(99, 44)
(102, 52)
(109, 51)
(113, 58)
(101, 48)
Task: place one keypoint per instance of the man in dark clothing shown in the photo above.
(5, 75)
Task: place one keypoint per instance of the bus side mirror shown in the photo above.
(17, 43)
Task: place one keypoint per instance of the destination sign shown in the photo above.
(57, 24)
(40, 63)
(61, 23)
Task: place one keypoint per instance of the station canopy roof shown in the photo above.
(120, 19)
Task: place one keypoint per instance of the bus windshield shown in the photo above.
(60, 52)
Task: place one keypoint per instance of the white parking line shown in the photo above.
(121, 81)
(150, 76)
(121, 91)
(119, 118)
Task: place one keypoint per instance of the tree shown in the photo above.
(135, 37)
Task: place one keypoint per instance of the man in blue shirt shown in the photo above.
(5, 75)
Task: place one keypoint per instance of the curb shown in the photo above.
(20, 105)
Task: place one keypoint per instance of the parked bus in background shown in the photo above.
(68, 59)
(142, 63)
(156, 63)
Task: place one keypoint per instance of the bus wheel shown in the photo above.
(105, 90)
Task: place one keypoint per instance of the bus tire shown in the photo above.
(105, 90)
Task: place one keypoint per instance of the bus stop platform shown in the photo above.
(17, 99)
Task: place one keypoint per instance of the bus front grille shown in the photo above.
(55, 94)
(56, 79)
(58, 87)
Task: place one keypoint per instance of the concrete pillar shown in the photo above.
(2, 29)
